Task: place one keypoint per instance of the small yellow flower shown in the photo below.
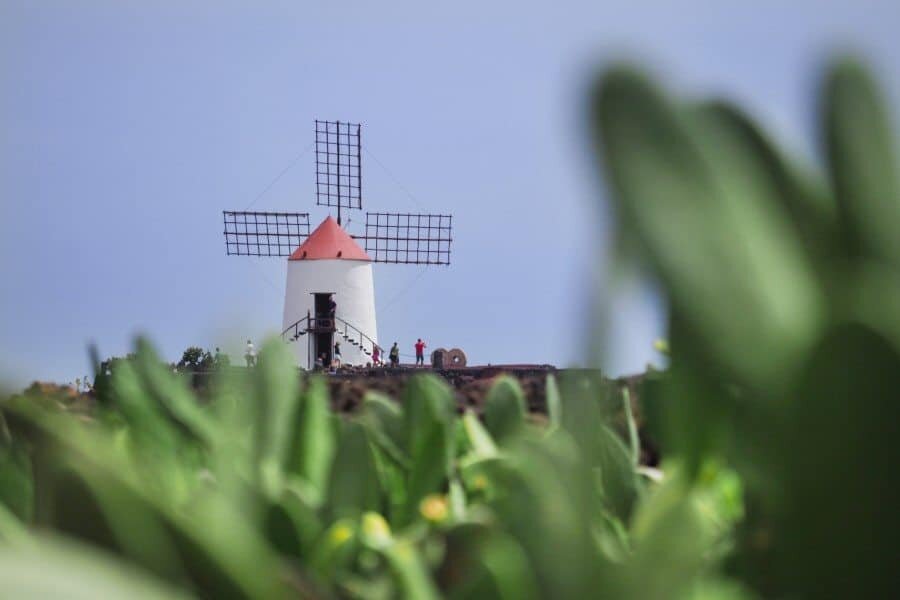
(434, 508)
(375, 529)
(340, 533)
(661, 346)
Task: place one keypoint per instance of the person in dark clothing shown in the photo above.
(337, 353)
(395, 355)
(332, 307)
(420, 352)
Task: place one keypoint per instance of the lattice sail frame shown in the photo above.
(408, 238)
(253, 233)
(338, 165)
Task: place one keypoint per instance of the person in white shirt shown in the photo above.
(250, 354)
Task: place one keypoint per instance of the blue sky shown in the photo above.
(128, 127)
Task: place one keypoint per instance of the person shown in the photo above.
(221, 359)
(376, 355)
(395, 355)
(337, 353)
(332, 307)
(420, 352)
(320, 362)
(250, 354)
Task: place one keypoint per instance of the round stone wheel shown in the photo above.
(455, 358)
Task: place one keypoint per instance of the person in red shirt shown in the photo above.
(420, 352)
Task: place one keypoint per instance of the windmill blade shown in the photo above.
(338, 168)
(408, 238)
(264, 233)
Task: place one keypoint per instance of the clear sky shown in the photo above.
(127, 127)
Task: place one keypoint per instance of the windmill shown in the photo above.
(330, 294)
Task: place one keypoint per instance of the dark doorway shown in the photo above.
(322, 301)
(323, 346)
(324, 327)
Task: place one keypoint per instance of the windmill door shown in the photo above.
(323, 336)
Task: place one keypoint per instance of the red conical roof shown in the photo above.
(329, 241)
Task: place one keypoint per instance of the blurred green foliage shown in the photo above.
(784, 306)
(774, 418)
(263, 492)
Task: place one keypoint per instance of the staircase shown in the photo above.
(351, 334)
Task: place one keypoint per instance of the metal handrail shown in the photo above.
(356, 329)
(294, 328)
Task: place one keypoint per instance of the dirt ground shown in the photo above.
(470, 384)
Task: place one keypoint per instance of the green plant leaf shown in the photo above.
(509, 567)
(411, 572)
(862, 160)
(710, 588)
(315, 440)
(504, 409)
(336, 548)
(617, 473)
(554, 404)
(277, 398)
(479, 439)
(16, 483)
(149, 428)
(171, 395)
(582, 415)
(457, 498)
(12, 530)
(484, 562)
(353, 486)
(546, 504)
(692, 196)
(832, 455)
(802, 195)
(429, 412)
(383, 419)
(392, 476)
(671, 542)
(91, 489)
(634, 443)
(56, 568)
(388, 414)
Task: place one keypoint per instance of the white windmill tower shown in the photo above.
(330, 266)
(330, 293)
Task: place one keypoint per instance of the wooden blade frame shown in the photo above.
(338, 168)
(408, 238)
(264, 233)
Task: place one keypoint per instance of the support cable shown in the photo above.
(396, 296)
(281, 174)
(393, 177)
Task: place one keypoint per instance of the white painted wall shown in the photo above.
(354, 292)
